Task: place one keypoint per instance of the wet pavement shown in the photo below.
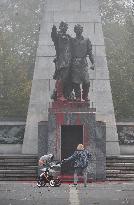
(105, 193)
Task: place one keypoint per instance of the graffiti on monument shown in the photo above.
(71, 67)
(11, 134)
(126, 134)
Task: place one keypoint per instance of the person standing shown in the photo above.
(62, 43)
(81, 48)
(81, 158)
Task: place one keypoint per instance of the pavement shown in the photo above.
(104, 193)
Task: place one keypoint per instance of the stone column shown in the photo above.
(86, 13)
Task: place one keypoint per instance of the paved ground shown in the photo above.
(18, 193)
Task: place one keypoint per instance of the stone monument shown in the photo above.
(86, 13)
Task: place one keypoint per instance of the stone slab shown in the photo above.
(64, 5)
(36, 113)
(103, 86)
(46, 68)
(100, 50)
(77, 17)
(112, 148)
(38, 94)
(10, 148)
(99, 40)
(127, 150)
(102, 74)
(46, 51)
(100, 61)
(42, 138)
(72, 106)
(71, 16)
(98, 74)
(87, 5)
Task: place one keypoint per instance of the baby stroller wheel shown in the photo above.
(57, 182)
(41, 183)
(52, 183)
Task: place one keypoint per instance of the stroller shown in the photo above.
(47, 175)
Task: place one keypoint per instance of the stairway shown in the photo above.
(18, 167)
(120, 168)
(25, 167)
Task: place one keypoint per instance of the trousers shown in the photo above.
(80, 171)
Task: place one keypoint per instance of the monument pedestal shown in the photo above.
(72, 123)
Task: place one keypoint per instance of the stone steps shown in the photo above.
(120, 168)
(24, 168)
(18, 168)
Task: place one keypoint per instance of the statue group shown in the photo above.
(71, 67)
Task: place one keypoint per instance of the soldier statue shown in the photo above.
(71, 67)
(62, 43)
(81, 48)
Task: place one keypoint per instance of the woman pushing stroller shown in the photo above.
(81, 158)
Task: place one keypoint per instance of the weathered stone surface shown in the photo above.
(38, 94)
(45, 69)
(46, 51)
(64, 5)
(102, 86)
(100, 50)
(102, 74)
(87, 5)
(94, 137)
(100, 61)
(36, 113)
(100, 91)
(10, 149)
(99, 40)
(42, 138)
(77, 17)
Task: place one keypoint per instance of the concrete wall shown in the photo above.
(127, 149)
(85, 12)
(10, 148)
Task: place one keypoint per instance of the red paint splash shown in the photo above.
(78, 121)
(86, 136)
(59, 118)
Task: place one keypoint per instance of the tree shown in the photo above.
(19, 29)
(119, 32)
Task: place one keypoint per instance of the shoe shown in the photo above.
(74, 185)
(78, 99)
(39, 185)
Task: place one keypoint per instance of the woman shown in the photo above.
(81, 157)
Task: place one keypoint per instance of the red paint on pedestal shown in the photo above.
(59, 118)
(59, 121)
(86, 137)
(78, 121)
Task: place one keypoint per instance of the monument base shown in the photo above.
(70, 124)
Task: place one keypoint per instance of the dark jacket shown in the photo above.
(80, 158)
